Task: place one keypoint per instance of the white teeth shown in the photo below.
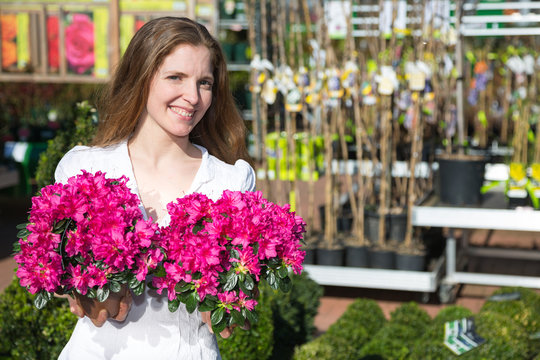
(181, 112)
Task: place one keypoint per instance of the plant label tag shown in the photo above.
(460, 336)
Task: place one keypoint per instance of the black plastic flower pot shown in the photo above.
(397, 227)
(382, 259)
(371, 226)
(330, 257)
(460, 179)
(410, 262)
(309, 258)
(356, 256)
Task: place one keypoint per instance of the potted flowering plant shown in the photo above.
(217, 252)
(86, 238)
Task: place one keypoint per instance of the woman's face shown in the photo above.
(181, 91)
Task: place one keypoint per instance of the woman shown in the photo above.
(168, 122)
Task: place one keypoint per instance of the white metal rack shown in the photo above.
(492, 217)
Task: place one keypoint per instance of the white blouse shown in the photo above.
(150, 331)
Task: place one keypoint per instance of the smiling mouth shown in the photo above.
(181, 112)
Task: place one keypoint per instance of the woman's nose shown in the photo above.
(191, 93)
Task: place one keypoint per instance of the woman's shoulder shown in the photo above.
(240, 175)
(90, 158)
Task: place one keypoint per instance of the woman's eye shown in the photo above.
(173, 77)
(206, 83)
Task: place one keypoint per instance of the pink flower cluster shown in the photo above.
(240, 231)
(82, 234)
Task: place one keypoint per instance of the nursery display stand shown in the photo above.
(492, 215)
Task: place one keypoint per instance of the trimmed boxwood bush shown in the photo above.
(505, 339)
(28, 333)
(430, 346)
(286, 320)
(525, 311)
(412, 316)
(394, 340)
(362, 319)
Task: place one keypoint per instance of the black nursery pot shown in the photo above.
(356, 256)
(371, 226)
(330, 257)
(309, 258)
(397, 225)
(460, 179)
(410, 262)
(382, 259)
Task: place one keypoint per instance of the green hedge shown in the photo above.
(345, 338)
(78, 132)
(286, 320)
(28, 333)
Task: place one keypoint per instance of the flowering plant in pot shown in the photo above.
(86, 238)
(218, 251)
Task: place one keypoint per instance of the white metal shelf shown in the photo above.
(421, 281)
(488, 217)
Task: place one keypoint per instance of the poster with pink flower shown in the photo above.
(79, 43)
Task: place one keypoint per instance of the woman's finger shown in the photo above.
(75, 307)
(125, 306)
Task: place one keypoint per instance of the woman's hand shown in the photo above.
(99, 319)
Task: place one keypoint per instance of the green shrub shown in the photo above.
(525, 311)
(294, 315)
(390, 342)
(412, 316)
(255, 343)
(394, 340)
(77, 132)
(317, 349)
(430, 345)
(451, 313)
(362, 319)
(28, 333)
(505, 339)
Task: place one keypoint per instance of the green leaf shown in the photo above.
(283, 272)
(219, 327)
(217, 316)
(21, 226)
(91, 293)
(22, 234)
(208, 304)
(115, 286)
(251, 316)
(183, 287)
(102, 293)
(232, 280)
(139, 289)
(237, 318)
(41, 299)
(173, 305)
(276, 284)
(192, 302)
(249, 283)
(271, 278)
(133, 282)
(159, 271)
(285, 284)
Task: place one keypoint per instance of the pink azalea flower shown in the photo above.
(99, 221)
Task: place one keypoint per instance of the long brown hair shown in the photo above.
(222, 130)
